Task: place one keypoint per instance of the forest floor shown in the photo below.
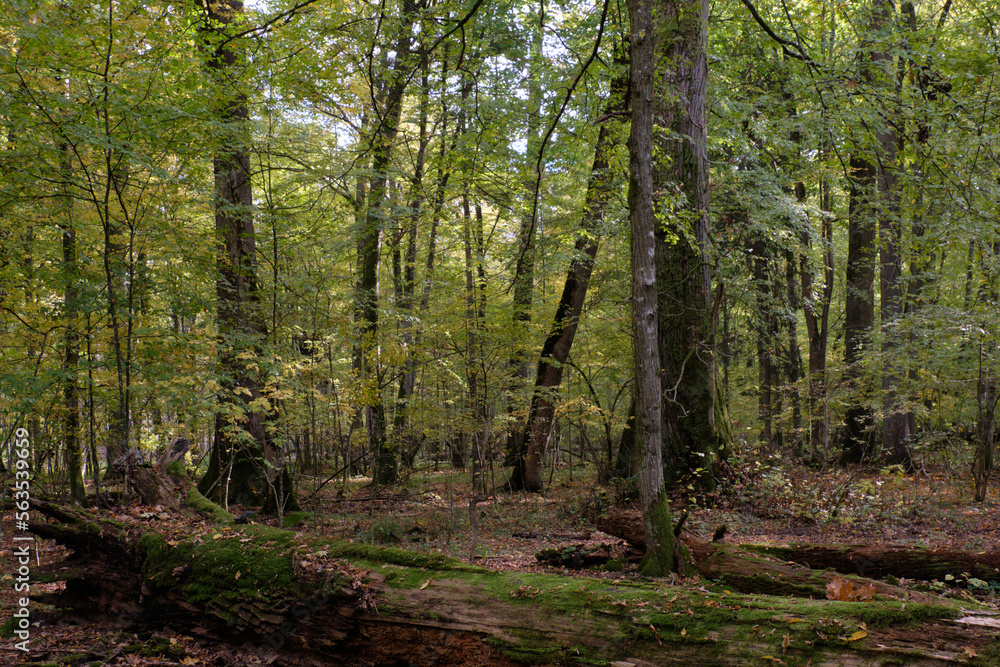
(429, 512)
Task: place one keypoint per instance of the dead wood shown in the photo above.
(910, 562)
(872, 561)
(336, 603)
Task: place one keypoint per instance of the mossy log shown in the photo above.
(717, 559)
(301, 600)
(911, 562)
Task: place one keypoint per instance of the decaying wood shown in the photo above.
(910, 562)
(350, 604)
(902, 562)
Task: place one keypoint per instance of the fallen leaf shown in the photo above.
(860, 634)
(238, 574)
(971, 652)
(217, 536)
(426, 583)
(684, 632)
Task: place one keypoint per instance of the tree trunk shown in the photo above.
(556, 349)
(238, 467)
(387, 125)
(406, 282)
(683, 268)
(859, 437)
(874, 203)
(473, 345)
(766, 339)
(527, 473)
(895, 421)
(658, 529)
(71, 358)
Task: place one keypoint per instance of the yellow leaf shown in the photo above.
(860, 634)
(426, 583)
(189, 661)
(217, 536)
(684, 632)
(238, 573)
(785, 642)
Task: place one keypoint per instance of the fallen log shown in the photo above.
(874, 562)
(910, 562)
(294, 598)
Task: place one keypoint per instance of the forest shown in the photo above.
(388, 287)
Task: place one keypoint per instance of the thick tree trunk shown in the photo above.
(406, 278)
(238, 467)
(683, 268)
(658, 531)
(859, 317)
(740, 567)
(527, 473)
(877, 562)
(895, 421)
(71, 357)
(874, 204)
(816, 309)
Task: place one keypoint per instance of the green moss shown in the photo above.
(177, 469)
(7, 629)
(395, 556)
(237, 563)
(659, 561)
(295, 518)
(200, 503)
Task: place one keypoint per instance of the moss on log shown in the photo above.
(289, 595)
(911, 562)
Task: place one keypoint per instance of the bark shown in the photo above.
(389, 111)
(648, 424)
(859, 437)
(71, 357)
(874, 205)
(768, 403)
(527, 471)
(473, 347)
(686, 331)
(405, 275)
(524, 271)
(254, 586)
(878, 562)
(816, 301)
(895, 421)
(558, 343)
(741, 567)
(238, 470)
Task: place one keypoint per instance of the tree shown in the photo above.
(239, 468)
(874, 203)
(683, 265)
(645, 20)
(388, 109)
(559, 342)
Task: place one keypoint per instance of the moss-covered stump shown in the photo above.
(299, 600)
